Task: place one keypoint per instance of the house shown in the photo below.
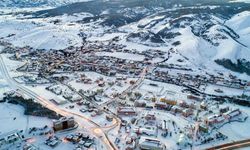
(126, 111)
(183, 104)
(203, 105)
(193, 97)
(176, 109)
(233, 113)
(151, 144)
(112, 73)
(30, 147)
(140, 103)
(183, 140)
(169, 102)
(10, 138)
(76, 98)
(187, 112)
(224, 109)
(203, 128)
(101, 83)
(215, 119)
(52, 141)
(148, 130)
(160, 105)
(109, 118)
(58, 101)
(150, 117)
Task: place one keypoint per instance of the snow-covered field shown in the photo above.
(237, 131)
(40, 35)
(13, 118)
(121, 55)
(4, 87)
(246, 1)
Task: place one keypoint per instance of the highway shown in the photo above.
(83, 121)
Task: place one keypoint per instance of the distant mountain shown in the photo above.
(36, 3)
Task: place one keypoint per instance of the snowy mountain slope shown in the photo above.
(198, 38)
(202, 33)
(202, 39)
(240, 23)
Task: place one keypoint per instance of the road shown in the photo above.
(87, 98)
(130, 88)
(83, 121)
(232, 146)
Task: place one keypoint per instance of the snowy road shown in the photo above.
(83, 122)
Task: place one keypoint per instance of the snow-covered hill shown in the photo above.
(206, 33)
(240, 23)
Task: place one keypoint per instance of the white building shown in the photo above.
(146, 143)
(148, 130)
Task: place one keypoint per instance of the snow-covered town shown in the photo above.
(174, 79)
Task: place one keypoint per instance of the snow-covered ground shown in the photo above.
(245, 1)
(121, 55)
(4, 87)
(40, 35)
(226, 91)
(13, 118)
(237, 131)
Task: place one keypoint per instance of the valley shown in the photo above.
(134, 74)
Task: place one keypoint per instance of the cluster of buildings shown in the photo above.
(10, 139)
(196, 81)
(81, 139)
(225, 115)
(86, 58)
(47, 63)
(82, 59)
(65, 92)
(176, 106)
(53, 141)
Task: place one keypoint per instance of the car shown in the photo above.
(83, 110)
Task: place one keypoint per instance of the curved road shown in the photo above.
(93, 127)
